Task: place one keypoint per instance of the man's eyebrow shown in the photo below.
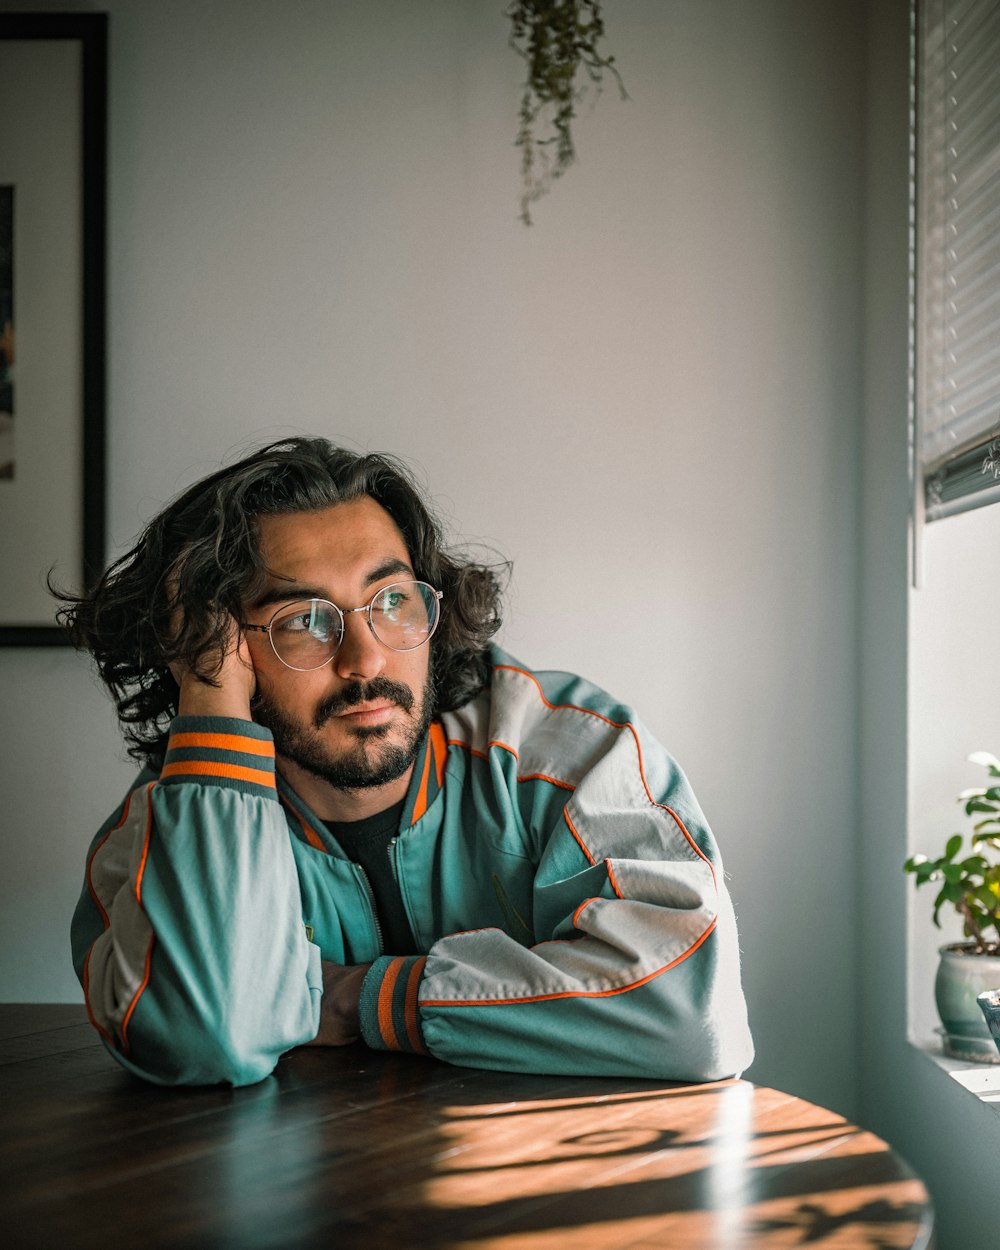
(386, 569)
(292, 592)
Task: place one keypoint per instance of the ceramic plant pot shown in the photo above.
(961, 977)
(989, 1002)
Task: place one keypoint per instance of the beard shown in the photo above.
(370, 762)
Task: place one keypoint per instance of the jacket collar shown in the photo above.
(428, 776)
(425, 785)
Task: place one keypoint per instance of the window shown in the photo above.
(957, 302)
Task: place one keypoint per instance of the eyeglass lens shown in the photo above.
(403, 616)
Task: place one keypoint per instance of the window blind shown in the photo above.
(957, 199)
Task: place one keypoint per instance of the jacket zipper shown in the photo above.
(371, 906)
(394, 865)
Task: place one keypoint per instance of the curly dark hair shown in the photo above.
(199, 560)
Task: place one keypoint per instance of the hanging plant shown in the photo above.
(556, 38)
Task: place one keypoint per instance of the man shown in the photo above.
(357, 817)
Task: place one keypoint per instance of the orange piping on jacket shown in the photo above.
(555, 707)
(544, 998)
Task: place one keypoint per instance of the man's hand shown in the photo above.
(338, 1020)
(236, 682)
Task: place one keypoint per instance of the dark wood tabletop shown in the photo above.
(350, 1148)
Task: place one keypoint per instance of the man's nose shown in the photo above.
(360, 655)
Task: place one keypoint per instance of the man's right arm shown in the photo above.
(188, 937)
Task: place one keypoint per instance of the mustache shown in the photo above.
(356, 692)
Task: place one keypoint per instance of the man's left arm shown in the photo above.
(635, 967)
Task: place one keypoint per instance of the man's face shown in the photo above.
(357, 722)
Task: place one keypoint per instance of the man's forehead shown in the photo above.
(347, 538)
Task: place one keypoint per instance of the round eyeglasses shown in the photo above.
(307, 634)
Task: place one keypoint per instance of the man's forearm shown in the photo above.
(339, 1021)
(198, 698)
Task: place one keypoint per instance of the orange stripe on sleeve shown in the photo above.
(223, 742)
(385, 1025)
(412, 1018)
(210, 768)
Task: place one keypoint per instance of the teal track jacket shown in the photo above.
(553, 862)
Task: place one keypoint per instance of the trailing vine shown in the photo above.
(556, 38)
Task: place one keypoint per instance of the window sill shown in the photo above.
(981, 1080)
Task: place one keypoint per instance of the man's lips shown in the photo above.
(366, 713)
(365, 704)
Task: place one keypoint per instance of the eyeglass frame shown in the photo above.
(344, 613)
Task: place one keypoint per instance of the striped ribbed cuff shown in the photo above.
(221, 751)
(390, 1015)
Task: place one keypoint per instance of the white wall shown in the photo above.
(911, 743)
(953, 712)
(649, 399)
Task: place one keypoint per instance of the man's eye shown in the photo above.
(299, 623)
(392, 603)
(315, 619)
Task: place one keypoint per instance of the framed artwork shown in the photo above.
(53, 158)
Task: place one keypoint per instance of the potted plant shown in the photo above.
(969, 882)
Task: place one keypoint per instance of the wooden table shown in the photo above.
(349, 1148)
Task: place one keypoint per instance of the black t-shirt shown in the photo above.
(369, 843)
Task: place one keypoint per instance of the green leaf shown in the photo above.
(953, 846)
(952, 873)
(986, 895)
(977, 805)
(974, 864)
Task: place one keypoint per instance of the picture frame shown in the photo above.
(53, 172)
